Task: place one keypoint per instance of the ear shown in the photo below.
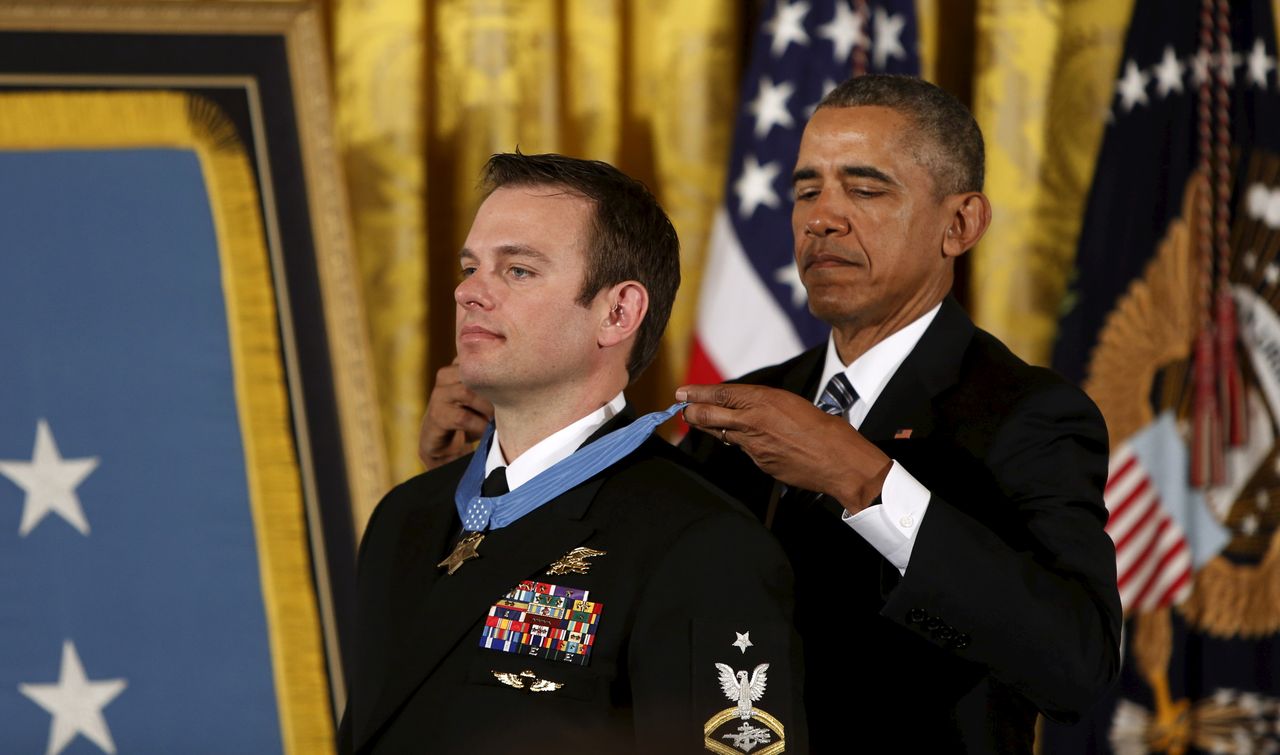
(627, 304)
(970, 216)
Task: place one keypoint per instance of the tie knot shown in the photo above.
(495, 484)
(839, 395)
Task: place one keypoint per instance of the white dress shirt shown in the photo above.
(551, 449)
(891, 526)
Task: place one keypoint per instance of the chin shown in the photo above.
(831, 309)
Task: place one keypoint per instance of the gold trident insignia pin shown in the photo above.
(574, 562)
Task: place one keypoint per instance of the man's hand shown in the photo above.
(455, 419)
(791, 440)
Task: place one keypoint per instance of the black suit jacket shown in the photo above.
(1009, 602)
(684, 570)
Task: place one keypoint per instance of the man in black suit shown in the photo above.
(592, 594)
(942, 505)
(953, 577)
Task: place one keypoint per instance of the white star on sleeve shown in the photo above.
(755, 186)
(1132, 87)
(789, 275)
(744, 641)
(50, 482)
(787, 26)
(888, 37)
(770, 106)
(844, 30)
(1260, 64)
(1169, 73)
(75, 703)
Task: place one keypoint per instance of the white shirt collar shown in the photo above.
(553, 448)
(870, 373)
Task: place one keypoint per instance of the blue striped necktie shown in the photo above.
(839, 395)
(480, 512)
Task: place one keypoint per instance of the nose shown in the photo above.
(826, 218)
(472, 293)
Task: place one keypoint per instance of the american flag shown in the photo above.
(752, 308)
(1153, 558)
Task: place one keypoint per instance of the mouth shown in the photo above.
(477, 334)
(826, 260)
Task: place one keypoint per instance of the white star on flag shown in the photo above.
(770, 106)
(1260, 64)
(755, 187)
(744, 641)
(888, 37)
(50, 482)
(844, 30)
(1169, 73)
(789, 275)
(787, 27)
(1133, 86)
(827, 86)
(1200, 66)
(75, 703)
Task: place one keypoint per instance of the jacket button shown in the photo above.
(946, 634)
(932, 623)
(960, 642)
(916, 616)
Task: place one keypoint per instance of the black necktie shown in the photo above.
(839, 395)
(495, 484)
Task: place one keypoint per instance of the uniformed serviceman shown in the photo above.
(571, 586)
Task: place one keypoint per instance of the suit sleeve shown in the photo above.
(722, 594)
(1036, 604)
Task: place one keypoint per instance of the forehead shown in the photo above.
(546, 218)
(865, 134)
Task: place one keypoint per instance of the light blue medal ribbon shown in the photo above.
(478, 512)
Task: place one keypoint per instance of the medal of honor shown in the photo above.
(464, 550)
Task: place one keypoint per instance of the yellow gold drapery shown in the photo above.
(1042, 87)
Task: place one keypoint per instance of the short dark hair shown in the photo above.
(945, 139)
(630, 236)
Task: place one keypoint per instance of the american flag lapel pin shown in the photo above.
(902, 434)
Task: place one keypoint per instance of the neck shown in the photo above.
(855, 338)
(525, 423)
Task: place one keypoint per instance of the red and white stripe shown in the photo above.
(740, 327)
(1153, 559)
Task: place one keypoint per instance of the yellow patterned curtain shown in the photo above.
(1042, 87)
(426, 92)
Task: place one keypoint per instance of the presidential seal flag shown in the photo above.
(1171, 325)
(752, 309)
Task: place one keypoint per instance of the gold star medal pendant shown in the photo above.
(463, 551)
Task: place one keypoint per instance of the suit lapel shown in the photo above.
(906, 403)
(449, 605)
(803, 378)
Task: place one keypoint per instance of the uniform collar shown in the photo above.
(553, 448)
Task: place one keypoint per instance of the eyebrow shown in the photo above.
(849, 171)
(509, 250)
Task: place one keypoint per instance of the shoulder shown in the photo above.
(659, 487)
(783, 372)
(415, 497)
(1004, 405)
(991, 373)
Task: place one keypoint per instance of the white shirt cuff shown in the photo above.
(890, 527)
